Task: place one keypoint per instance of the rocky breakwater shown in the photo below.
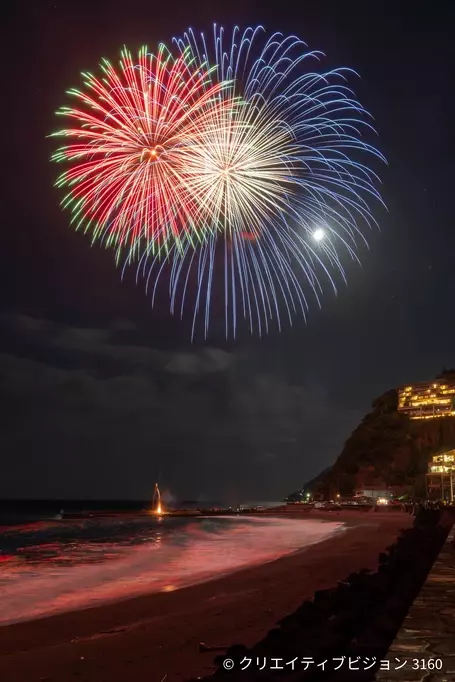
(355, 622)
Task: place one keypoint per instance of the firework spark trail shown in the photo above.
(132, 151)
(290, 160)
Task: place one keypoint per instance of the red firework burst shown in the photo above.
(133, 174)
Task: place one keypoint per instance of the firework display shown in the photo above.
(131, 151)
(234, 164)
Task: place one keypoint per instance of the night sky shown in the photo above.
(103, 394)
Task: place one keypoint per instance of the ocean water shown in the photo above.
(47, 567)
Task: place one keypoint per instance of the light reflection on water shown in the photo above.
(48, 567)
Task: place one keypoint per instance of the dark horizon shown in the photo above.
(87, 504)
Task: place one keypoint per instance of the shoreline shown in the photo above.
(153, 635)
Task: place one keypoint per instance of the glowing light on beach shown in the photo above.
(157, 506)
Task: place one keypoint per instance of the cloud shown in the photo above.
(90, 416)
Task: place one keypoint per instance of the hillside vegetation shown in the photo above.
(387, 448)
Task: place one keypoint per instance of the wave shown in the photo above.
(45, 575)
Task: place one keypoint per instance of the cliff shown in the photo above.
(387, 448)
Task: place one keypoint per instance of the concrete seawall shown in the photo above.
(426, 639)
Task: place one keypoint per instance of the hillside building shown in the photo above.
(441, 476)
(428, 400)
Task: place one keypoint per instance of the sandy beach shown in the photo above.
(157, 636)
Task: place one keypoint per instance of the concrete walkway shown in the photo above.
(426, 640)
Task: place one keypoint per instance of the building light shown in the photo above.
(428, 401)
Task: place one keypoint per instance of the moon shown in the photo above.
(319, 234)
